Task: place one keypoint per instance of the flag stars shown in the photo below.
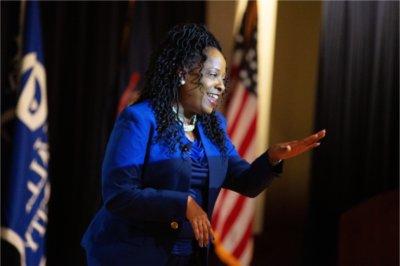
(254, 77)
(246, 59)
(253, 65)
(247, 82)
(239, 38)
(250, 56)
(243, 74)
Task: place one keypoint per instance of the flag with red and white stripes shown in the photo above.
(234, 214)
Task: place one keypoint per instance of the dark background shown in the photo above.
(357, 100)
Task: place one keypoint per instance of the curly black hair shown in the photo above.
(181, 50)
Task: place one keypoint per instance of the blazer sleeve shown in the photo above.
(244, 178)
(122, 188)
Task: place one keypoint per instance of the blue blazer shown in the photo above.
(145, 189)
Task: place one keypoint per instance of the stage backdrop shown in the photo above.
(358, 103)
(82, 43)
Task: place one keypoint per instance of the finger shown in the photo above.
(211, 232)
(195, 230)
(285, 148)
(200, 239)
(321, 134)
(212, 235)
(309, 140)
(201, 234)
(205, 233)
(312, 146)
(313, 138)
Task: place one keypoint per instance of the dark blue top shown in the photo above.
(198, 188)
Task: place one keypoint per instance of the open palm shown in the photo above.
(286, 150)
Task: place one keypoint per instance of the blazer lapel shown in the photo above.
(216, 167)
(211, 156)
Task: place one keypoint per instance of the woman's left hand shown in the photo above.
(286, 150)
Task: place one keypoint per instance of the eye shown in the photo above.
(214, 75)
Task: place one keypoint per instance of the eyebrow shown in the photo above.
(215, 68)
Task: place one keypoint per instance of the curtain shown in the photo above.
(357, 102)
(81, 42)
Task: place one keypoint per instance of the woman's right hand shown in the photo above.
(200, 223)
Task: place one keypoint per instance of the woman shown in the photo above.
(168, 157)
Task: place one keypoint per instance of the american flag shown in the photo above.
(234, 214)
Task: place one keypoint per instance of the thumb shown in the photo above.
(285, 148)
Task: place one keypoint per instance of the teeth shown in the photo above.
(215, 96)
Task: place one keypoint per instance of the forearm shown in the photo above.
(148, 204)
(251, 179)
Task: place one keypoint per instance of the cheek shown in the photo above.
(197, 99)
(206, 83)
(205, 105)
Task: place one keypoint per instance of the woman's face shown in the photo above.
(202, 95)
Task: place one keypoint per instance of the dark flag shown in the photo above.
(135, 52)
(25, 213)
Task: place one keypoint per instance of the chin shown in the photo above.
(207, 110)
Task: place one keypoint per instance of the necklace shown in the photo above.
(187, 127)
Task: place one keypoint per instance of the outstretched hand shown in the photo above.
(286, 150)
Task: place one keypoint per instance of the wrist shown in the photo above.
(273, 161)
(190, 205)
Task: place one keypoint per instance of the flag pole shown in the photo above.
(267, 13)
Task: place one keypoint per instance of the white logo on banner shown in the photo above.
(30, 110)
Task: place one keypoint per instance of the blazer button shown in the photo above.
(174, 225)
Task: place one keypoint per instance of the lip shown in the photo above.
(213, 101)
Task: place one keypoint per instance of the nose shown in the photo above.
(220, 86)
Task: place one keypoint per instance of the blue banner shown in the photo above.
(25, 221)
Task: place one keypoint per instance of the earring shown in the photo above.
(183, 82)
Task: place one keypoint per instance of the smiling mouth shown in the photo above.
(213, 99)
(213, 96)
